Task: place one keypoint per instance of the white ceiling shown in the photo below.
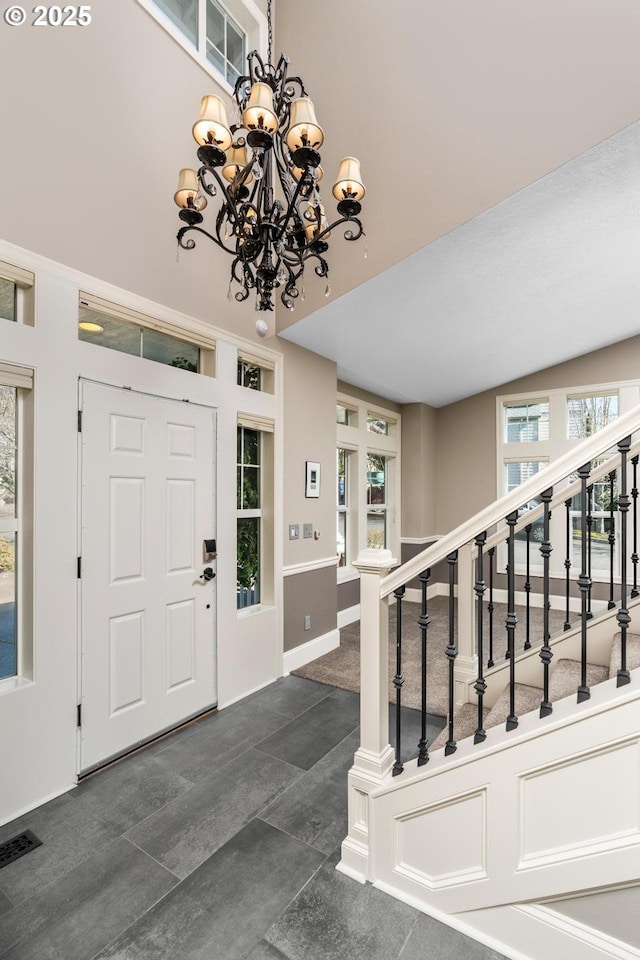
(545, 275)
(463, 115)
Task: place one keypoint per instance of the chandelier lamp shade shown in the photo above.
(265, 170)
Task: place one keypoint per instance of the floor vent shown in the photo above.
(17, 847)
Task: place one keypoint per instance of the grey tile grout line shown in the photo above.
(151, 857)
(406, 939)
(271, 802)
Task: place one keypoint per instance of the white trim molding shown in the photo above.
(431, 539)
(308, 566)
(348, 615)
(306, 652)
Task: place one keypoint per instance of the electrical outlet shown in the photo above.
(307, 530)
(307, 621)
(294, 531)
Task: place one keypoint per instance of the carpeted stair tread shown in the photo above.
(466, 723)
(633, 653)
(527, 699)
(566, 678)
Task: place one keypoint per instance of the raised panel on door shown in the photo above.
(147, 618)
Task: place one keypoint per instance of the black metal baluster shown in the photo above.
(584, 580)
(567, 565)
(423, 622)
(452, 650)
(527, 590)
(612, 540)
(398, 680)
(634, 555)
(512, 620)
(622, 616)
(490, 607)
(589, 532)
(480, 685)
(545, 654)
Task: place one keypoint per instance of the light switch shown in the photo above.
(307, 530)
(294, 531)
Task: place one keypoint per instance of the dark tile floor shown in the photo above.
(217, 842)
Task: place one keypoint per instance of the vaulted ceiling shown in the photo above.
(454, 107)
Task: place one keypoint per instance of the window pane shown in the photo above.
(165, 349)
(526, 422)
(184, 13)
(376, 478)
(377, 528)
(342, 539)
(377, 425)
(116, 334)
(216, 58)
(248, 590)
(7, 300)
(108, 332)
(342, 479)
(215, 27)
(250, 488)
(586, 415)
(520, 470)
(249, 375)
(251, 446)
(7, 451)
(8, 631)
(342, 415)
(235, 46)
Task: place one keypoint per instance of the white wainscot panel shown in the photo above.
(180, 644)
(444, 843)
(180, 525)
(127, 434)
(126, 639)
(577, 807)
(181, 440)
(126, 528)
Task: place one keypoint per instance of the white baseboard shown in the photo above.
(22, 811)
(537, 600)
(306, 652)
(350, 615)
(538, 933)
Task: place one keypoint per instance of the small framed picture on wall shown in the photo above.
(312, 479)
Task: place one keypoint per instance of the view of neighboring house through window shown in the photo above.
(376, 500)
(216, 34)
(8, 532)
(249, 515)
(7, 300)
(537, 430)
(525, 422)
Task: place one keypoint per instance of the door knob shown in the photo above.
(207, 574)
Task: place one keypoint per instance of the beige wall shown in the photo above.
(309, 434)
(418, 471)
(100, 122)
(310, 594)
(466, 431)
(365, 395)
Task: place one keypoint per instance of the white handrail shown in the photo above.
(496, 512)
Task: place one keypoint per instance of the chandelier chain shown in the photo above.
(270, 40)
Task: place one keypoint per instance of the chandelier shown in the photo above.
(266, 172)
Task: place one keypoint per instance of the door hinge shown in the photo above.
(79, 723)
(79, 568)
(79, 421)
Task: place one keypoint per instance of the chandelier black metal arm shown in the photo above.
(274, 146)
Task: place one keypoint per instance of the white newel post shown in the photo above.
(466, 670)
(374, 758)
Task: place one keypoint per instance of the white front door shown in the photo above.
(147, 614)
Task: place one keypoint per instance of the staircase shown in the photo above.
(532, 791)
